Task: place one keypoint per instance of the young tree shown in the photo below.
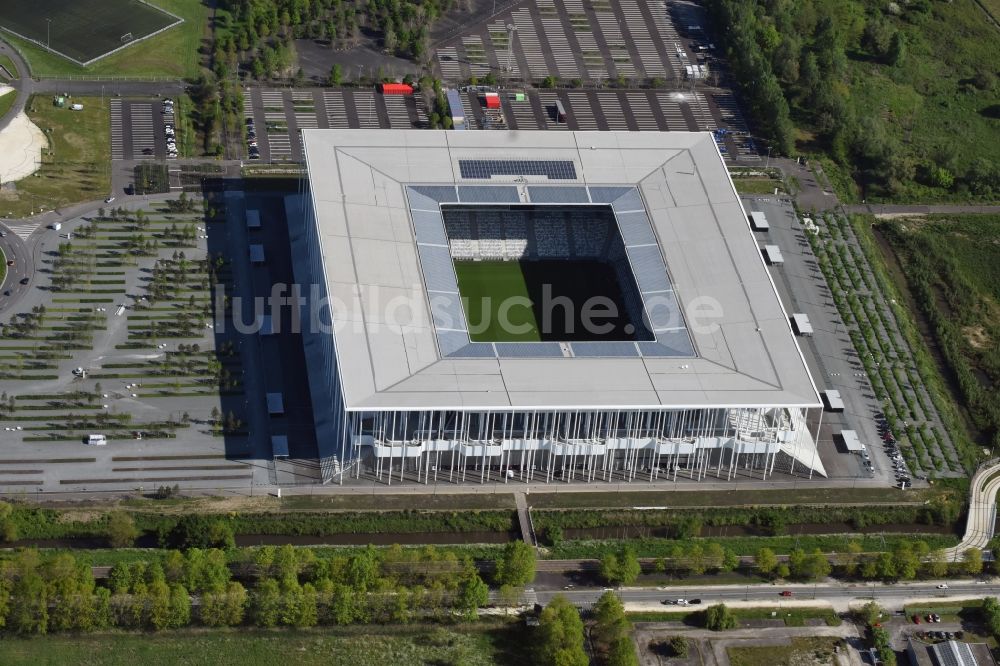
(473, 594)
(266, 604)
(121, 530)
(560, 632)
(719, 618)
(611, 622)
(336, 76)
(937, 564)
(8, 527)
(870, 613)
(766, 561)
(972, 561)
(516, 566)
(621, 652)
(29, 613)
(180, 607)
(906, 561)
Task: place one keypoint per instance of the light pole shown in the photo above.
(48, 34)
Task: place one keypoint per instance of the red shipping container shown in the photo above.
(492, 102)
(396, 89)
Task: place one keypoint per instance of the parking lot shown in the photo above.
(828, 352)
(569, 39)
(278, 115)
(109, 374)
(138, 129)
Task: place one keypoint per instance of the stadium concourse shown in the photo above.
(709, 384)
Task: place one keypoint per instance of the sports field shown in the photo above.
(82, 29)
(536, 301)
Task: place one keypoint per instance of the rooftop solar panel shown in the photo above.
(564, 194)
(635, 228)
(428, 228)
(446, 310)
(604, 349)
(528, 349)
(439, 193)
(486, 194)
(486, 169)
(607, 194)
(439, 275)
(475, 350)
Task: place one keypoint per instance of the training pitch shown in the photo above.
(489, 287)
(83, 30)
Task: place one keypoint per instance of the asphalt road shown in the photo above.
(837, 594)
(14, 249)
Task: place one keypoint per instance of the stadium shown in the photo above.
(542, 307)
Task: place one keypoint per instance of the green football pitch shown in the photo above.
(82, 29)
(509, 301)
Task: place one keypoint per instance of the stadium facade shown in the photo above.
(711, 385)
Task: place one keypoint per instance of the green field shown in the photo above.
(173, 53)
(362, 646)
(82, 29)
(484, 286)
(6, 102)
(75, 168)
(509, 301)
(8, 64)
(799, 652)
(950, 265)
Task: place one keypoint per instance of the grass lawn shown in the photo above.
(757, 185)
(3, 266)
(800, 652)
(173, 53)
(968, 610)
(352, 646)
(793, 617)
(474, 502)
(7, 101)
(77, 165)
(488, 286)
(993, 7)
(8, 64)
(712, 498)
(509, 301)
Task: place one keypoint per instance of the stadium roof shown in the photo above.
(362, 183)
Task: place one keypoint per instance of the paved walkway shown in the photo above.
(22, 84)
(981, 525)
(524, 519)
(899, 210)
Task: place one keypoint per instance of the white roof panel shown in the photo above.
(389, 357)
